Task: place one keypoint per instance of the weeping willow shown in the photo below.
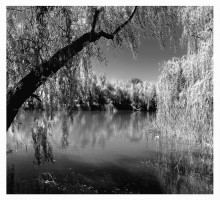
(185, 102)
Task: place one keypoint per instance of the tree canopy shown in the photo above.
(35, 34)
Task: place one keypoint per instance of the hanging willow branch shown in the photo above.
(27, 86)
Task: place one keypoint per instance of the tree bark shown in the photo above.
(27, 86)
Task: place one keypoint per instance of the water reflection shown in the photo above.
(78, 130)
(64, 139)
(105, 143)
(42, 147)
(97, 152)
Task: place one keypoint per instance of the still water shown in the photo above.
(82, 152)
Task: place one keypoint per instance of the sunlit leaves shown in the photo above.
(185, 87)
(197, 25)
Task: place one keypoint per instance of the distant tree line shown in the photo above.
(87, 91)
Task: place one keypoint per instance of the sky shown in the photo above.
(146, 66)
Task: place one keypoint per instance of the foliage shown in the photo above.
(88, 92)
(35, 34)
(185, 88)
(185, 96)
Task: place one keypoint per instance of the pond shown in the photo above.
(83, 153)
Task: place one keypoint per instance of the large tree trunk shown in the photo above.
(26, 87)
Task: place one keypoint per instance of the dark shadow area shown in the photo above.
(89, 179)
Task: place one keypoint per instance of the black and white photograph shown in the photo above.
(105, 99)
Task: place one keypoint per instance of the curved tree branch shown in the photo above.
(107, 35)
(97, 11)
(125, 23)
(36, 97)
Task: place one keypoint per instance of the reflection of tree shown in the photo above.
(97, 127)
(64, 139)
(93, 128)
(42, 148)
(80, 128)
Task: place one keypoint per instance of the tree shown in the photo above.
(185, 86)
(42, 40)
(135, 81)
